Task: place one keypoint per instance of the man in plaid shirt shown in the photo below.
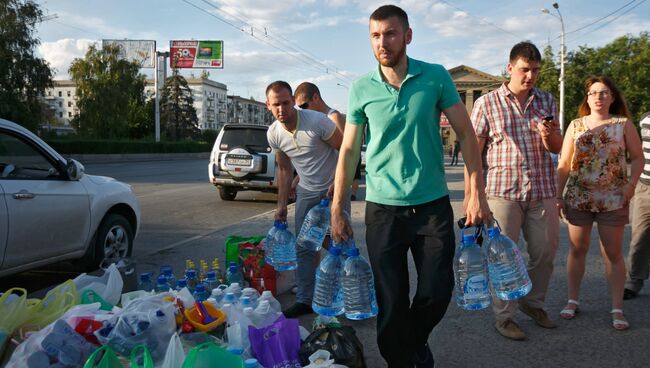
(516, 134)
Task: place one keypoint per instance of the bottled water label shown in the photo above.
(316, 233)
(475, 286)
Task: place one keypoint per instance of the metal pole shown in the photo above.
(562, 60)
(157, 100)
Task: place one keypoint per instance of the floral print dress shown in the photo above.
(598, 168)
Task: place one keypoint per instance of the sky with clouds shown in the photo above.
(326, 41)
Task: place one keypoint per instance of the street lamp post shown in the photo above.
(562, 54)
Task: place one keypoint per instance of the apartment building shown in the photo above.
(248, 111)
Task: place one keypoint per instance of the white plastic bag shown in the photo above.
(321, 359)
(175, 355)
(108, 286)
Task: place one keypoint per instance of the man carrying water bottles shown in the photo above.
(517, 134)
(307, 141)
(407, 200)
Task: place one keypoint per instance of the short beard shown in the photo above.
(394, 61)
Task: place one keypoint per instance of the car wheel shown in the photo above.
(227, 193)
(113, 241)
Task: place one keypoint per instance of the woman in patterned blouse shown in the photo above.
(593, 169)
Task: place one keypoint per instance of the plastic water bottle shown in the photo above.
(345, 246)
(161, 284)
(192, 279)
(211, 281)
(168, 272)
(245, 302)
(315, 227)
(181, 283)
(235, 289)
(231, 299)
(233, 274)
(273, 303)
(218, 271)
(472, 289)
(506, 266)
(253, 294)
(358, 287)
(144, 281)
(251, 363)
(264, 314)
(269, 242)
(200, 294)
(328, 295)
(284, 249)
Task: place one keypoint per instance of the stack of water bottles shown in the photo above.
(345, 285)
(499, 263)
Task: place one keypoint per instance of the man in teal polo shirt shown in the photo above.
(408, 207)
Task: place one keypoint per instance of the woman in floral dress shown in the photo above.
(593, 169)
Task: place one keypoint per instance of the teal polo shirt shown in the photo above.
(404, 156)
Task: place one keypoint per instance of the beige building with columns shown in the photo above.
(471, 84)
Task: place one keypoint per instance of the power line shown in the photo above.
(482, 19)
(600, 19)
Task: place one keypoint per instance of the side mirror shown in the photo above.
(74, 169)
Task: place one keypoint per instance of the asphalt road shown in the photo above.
(178, 206)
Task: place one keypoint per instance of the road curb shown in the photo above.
(134, 157)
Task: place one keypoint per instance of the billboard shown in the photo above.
(196, 54)
(142, 51)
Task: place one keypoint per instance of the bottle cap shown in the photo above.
(267, 293)
(211, 275)
(335, 251)
(162, 279)
(181, 283)
(324, 202)
(199, 288)
(494, 231)
(468, 238)
(353, 252)
(190, 274)
(145, 276)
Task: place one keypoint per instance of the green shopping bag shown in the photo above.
(232, 246)
(207, 354)
(107, 360)
(145, 362)
(89, 296)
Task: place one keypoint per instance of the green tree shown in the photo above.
(23, 76)
(110, 94)
(549, 74)
(177, 113)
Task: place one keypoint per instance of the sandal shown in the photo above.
(569, 313)
(619, 324)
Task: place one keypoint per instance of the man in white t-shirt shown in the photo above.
(307, 141)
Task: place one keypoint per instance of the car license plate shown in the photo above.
(238, 161)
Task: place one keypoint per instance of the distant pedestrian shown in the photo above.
(454, 159)
(407, 201)
(308, 96)
(307, 141)
(639, 255)
(517, 143)
(593, 169)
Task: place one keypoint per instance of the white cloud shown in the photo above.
(60, 53)
(93, 24)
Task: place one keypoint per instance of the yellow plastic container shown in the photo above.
(194, 318)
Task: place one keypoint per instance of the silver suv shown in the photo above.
(241, 159)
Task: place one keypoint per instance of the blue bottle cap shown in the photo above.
(324, 202)
(245, 301)
(353, 252)
(191, 273)
(181, 283)
(468, 238)
(494, 231)
(251, 363)
(335, 251)
(199, 288)
(276, 223)
(282, 226)
(168, 272)
(145, 276)
(211, 275)
(162, 279)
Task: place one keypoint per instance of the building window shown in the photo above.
(477, 94)
(60, 94)
(462, 94)
(60, 103)
(68, 93)
(69, 103)
(69, 114)
(49, 93)
(60, 114)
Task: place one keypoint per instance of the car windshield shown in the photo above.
(249, 138)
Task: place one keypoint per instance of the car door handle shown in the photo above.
(23, 194)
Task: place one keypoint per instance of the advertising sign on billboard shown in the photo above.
(142, 51)
(196, 54)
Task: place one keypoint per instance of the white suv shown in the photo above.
(241, 159)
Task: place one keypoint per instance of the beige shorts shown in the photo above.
(619, 217)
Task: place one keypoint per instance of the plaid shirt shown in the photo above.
(519, 168)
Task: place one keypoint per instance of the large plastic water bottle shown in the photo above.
(358, 287)
(506, 266)
(233, 274)
(211, 281)
(346, 245)
(252, 294)
(283, 255)
(161, 284)
(472, 289)
(181, 283)
(144, 281)
(168, 272)
(273, 303)
(315, 226)
(328, 295)
(230, 299)
(200, 294)
(269, 242)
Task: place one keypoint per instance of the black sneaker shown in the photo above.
(423, 357)
(629, 294)
(297, 310)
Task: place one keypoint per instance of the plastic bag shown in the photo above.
(14, 311)
(55, 303)
(107, 360)
(143, 359)
(90, 296)
(108, 286)
(207, 354)
(341, 342)
(149, 321)
(232, 246)
(321, 359)
(175, 355)
(276, 345)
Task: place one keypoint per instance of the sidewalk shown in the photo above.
(464, 338)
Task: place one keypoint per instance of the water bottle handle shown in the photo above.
(477, 231)
(494, 220)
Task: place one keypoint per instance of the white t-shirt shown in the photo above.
(311, 156)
